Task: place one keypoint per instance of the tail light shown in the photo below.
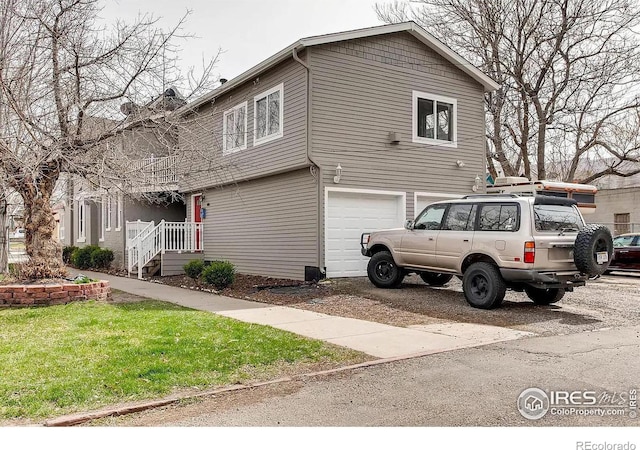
(530, 252)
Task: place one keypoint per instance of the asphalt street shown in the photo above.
(471, 387)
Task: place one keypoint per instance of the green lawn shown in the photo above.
(80, 356)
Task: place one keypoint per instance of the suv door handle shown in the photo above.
(465, 240)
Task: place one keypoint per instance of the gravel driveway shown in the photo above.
(609, 301)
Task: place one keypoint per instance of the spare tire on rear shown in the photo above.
(592, 240)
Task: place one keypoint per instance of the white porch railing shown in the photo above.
(166, 236)
(156, 171)
(133, 229)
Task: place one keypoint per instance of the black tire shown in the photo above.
(592, 239)
(383, 271)
(483, 286)
(544, 296)
(435, 279)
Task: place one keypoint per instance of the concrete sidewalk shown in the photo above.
(375, 339)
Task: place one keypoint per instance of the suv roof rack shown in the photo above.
(492, 196)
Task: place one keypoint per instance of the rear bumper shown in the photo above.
(544, 279)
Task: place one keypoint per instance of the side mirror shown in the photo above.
(409, 224)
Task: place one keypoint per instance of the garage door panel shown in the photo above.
(349, 214)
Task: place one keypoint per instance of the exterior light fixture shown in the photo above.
(460, 163)
(336, 179)
(477, 184)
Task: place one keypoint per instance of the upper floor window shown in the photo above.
(268, 115)
(434, 119)
(234, 133)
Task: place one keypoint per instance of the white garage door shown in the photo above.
(348, 215)
(422, 200)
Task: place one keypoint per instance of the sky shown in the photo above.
(247, 31)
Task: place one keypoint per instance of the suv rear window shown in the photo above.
(499, 217)
(556, 217)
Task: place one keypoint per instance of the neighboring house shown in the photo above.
(110, 214)
(618, 209)
(618, 199)
(332, 136)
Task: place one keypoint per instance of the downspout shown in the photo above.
(319, 245)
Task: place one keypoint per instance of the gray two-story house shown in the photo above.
(286, 165)
(138, 186)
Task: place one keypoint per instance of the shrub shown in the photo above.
(194, 268)
(81, 257)
(83, 279)
(101, 258)
(67, 252)
(220, 274)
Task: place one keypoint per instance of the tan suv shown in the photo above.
(536, 244)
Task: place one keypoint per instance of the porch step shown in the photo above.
(152, 267)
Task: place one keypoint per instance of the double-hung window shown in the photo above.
(268, 115)
(434, 119)
(119, 212)
(103, 215)
(234, 133)
(82, 221)
(107, 213)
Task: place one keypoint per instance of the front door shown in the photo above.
(197, 218)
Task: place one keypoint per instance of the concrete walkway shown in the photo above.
(375, 339)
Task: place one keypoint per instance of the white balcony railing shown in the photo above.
(156, 171)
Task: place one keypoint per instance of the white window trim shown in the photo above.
(82, 224)
(228, 150)
(108, 211)
(103, 207)
(280, 133)
(119, 213)
(436, 98)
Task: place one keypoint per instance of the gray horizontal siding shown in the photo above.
(363, 89)
(201, 158)
(265, 227)
(172, 262)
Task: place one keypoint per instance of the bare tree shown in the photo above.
(63, 79)
(567, 69)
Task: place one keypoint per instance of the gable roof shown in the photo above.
(411, 27)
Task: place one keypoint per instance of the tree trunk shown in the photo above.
(45, 253)
(4, 235)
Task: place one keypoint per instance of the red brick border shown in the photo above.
(53, 294)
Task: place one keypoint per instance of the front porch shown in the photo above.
(164, 247)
